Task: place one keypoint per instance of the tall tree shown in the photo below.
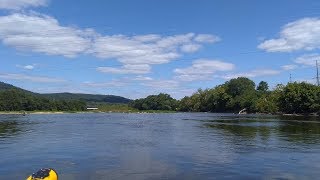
(263, 86)
(240, 86)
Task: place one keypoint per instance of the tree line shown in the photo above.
(17, 100)
(238, 94)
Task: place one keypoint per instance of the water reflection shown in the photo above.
(300, 132)
(9, 128)
(295, 130)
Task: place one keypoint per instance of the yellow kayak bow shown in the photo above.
(44, 174)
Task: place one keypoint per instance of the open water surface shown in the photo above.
(160, 146)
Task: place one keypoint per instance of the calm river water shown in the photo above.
(160, 146)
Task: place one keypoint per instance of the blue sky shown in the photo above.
(142, 47)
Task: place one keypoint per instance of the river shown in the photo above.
(160, 146)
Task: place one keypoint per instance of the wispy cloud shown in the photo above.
(127, 69)
(21, 4)
(113, 83)
(207, 38)
(289, 67)
(24, 77)
(26, 67)
(142, 78)
(202, 69)
(190, 48)
(308, 59)
(162, 84)
(253, 74)
(303, 34)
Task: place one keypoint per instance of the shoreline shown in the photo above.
(76, 112)
(39, 112)
(129, 112)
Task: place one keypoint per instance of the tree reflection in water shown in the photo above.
(295, 130)
(9, 128)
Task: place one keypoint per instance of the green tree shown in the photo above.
(155, 102)
(263, 86)
(243, 94)
(240, 86)
(299, 98)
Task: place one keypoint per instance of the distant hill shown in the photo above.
(89, 98)
(6, 86)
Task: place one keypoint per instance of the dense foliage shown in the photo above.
(231, 96)
(155, 102)
(300, 98)
(17, 100)
(238, 94)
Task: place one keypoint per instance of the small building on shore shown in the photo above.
(92, 108)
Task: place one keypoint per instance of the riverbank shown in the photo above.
(79, 112)
(35, 112)
(133, 112)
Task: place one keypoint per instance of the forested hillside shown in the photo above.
(17, 100)
(88, 98)
(13, 98)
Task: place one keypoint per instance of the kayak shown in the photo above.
(44, 174)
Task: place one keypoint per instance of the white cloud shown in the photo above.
(308, 59)
(24, 77)
(145, 49)
(113, 83)
(289, 67)
(253, 74)
(206, 38)
(40, 33)
(127, 69)
(28, 67)
(303, 34)
(190, 48)
(147, 38)
(171, 42)
(127, 50)
(150, 48)
(162, 84)
(143, 78)
(202, 69)
(21, 4)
